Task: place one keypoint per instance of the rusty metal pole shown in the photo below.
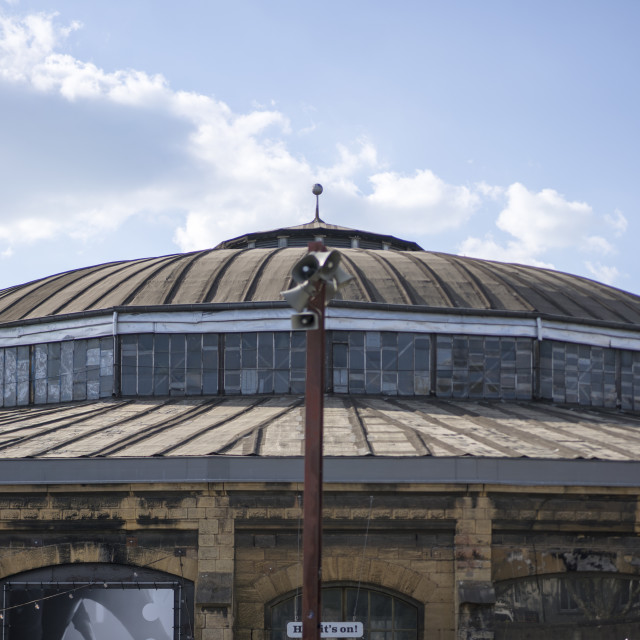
(312, 512)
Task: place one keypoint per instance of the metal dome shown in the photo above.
(253, 269)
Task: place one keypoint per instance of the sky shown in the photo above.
(501, 129)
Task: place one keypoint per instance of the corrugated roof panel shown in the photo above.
(237, 277)
(218, 438)
(106, 290)
(463, 293)
(271, 426)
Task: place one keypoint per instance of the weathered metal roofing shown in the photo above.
(336, 235)
(355, 426)
(238, 276)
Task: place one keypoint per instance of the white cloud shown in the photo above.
(542, 224)
(597, 244)
(426, 203)
(543, 220)
(603, 273)
(223, 173)
(489, 249)
(490, 191)
(236, 169)
(617, 222)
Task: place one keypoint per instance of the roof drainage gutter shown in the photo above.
(425, 470)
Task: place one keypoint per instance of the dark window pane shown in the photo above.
(381, 611)
(249, 340)
(373, 360)
(405, 616)
(356, 358)
(161, 342)
(340, 353)
(249, 358)
(281, 382)
(358, 605)
(265, 350)
(282, 359)
(389, 360)
(389, 339)
(232, 339)
(210, 382)
(356, 338)
(232, 359)
(129, 342)
(298, 340)
(331, 605)
(145, 342)
(194, 382)
(298, 359)
(282, 340)
(210, 340)
(373, 340)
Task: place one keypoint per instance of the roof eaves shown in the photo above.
(370, 470)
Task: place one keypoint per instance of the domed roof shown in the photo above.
(255, 268)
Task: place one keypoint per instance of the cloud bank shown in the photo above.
(216, 174)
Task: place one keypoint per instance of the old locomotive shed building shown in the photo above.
(482, 443)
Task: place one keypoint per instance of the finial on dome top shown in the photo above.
(317, 190)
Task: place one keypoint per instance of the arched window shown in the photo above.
(96, 601)
(584, 605)
(384, 615)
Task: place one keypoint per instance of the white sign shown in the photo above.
(329, 629)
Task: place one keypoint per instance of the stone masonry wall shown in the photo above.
(455, 550)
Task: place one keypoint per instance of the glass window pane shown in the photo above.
(405, 616)
(381, 611)
(331, 605)
(358, 605)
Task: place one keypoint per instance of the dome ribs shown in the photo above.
(481, 290)
(568, 289)
(220, 273)
(238, 275)
(44, 290)
(241, 276)
(150, 280)
(252, 285)
(509, 290)
(518, 276)
(360, 280)
(182, 274)
(403, 285)
(90, 297)
(568, 285)
(461, 290)
(443, 289)
(605, 300)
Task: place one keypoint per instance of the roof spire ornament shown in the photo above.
(317, 190)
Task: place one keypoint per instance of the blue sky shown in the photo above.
(505, 130)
